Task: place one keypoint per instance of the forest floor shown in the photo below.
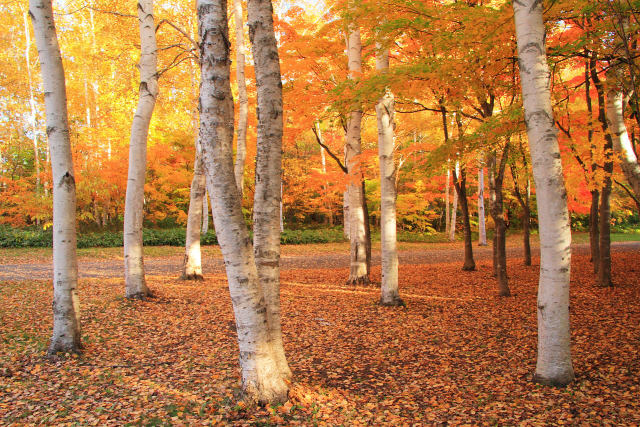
(457, 354)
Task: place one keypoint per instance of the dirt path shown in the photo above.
(431, 254)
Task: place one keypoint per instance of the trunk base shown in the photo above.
(504, 293)
(394, 302)
(469, 266)
(141, 296)
(57, 349)
(192, 276)
(561, 381)
(359, 281)
(483, 244)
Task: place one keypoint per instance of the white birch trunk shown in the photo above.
(454, 211)
(66, 304)
(263, 379)
(482, 231)
(554, 339)
(346, 223)
(204, 225)
(357, 229)
(32, 103)
(385, 112)
(243, 101)
(198, 208)
(621, 142)
(447, 213)
(136, 287)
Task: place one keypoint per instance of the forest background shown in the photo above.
(462, 59)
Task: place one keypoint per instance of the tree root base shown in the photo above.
(469, 268)
(194, 276)
(395, 302)
(359, 281)
(554, 382)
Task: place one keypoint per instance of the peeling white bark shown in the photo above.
(482, 231)
(198, 207)
(263, 376)
(386, 148)
(554, 345)
(243, 100)
(621, 142)
(66, 304)
(136, 287)
(358, 273)
(454, 210)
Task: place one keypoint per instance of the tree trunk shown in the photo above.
(482, 232)
(204, 226)
(447, 221)
(243, 101)
(388, 242)
(346, 224)
(263, 379)
(66, 304)
(136, 287)
(621, 142)
(32, 104)
(492, 201)
(526, 233)
(604, 210)
(454, 212)
(461, 190)
(358, 274)
(594, 230)
(554, 364)
(198, 207)
(497, 213)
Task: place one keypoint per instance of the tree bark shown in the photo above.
(524, 200)
(594, 230)
(554, 364)
(358, 274)
(243, 100)
(32, 105)
(136, 287)
(621, 142)
(497, 213)
(604, 210)
(385, 112)
(454, 211)
(447, 214)
(263, 378)
(460, 184)
(204, 226)
(198, 207)
(66, 304)
(482, 232)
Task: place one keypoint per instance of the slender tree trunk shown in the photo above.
(358, 274)
(267, 204)
(243, 101)
(621, 142)
(594, 230)
(554, 364)
(136, 287)
(604, 210)
(388, 242)
(454, 212)
(66, 304)
(500, 239)
(526, 233)
(461, 189)
(447, 221)
(482, 233)
(204, 225)
(367, 227)
(198, 207)
(346, 223)
(492, 202)
(263, 379)
(32, 103)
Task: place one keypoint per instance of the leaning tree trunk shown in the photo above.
(136, 287)
(388, 243)
(554, 364)
(243, 101)
(66, 304)
(482, 231)
(358, 274)
(267, 204)
(263, 379)
(461, 191)
(198, 206)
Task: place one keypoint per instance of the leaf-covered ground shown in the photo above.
(456, 354)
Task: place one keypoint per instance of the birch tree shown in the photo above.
(482, 231)
(359, 273)
(198, 207)
(66, 304)
(388, 195)
(243, 100)
(253, 279)
(554, 364)
(136, 287)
